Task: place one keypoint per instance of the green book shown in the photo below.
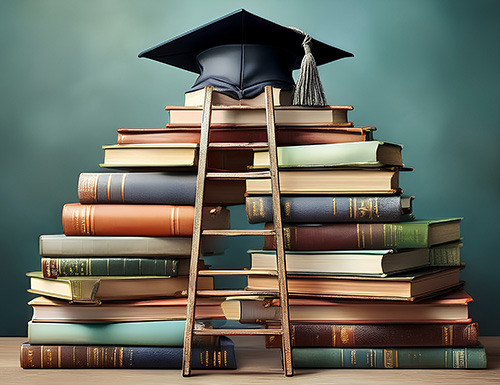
(357, 154)
(391, 358)
(148, 333)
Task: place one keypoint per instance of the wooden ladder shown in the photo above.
(277, 232)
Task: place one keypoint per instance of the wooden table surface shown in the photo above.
(256, 365)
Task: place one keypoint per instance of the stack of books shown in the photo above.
(369, 285)
(113, 287)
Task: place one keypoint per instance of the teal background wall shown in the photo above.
(425, 73)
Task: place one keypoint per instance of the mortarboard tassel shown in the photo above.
(308, 91)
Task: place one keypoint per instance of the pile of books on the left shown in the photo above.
(113, 287)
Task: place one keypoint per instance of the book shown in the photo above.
(177, 156)
(156, 188)
(60, 245)
(451, 307)
(331, 181)
(247, 115)
(93, 289)
(338, 262)
(447, 254)
(339, 236)
(67, 267)
(216, 356)
(325, 209)
(150, 333)
(407, 286)
(285, 136)
(378, 335)
(196, 98)
(138, 220)
(356, 154)
(47, 309)
(471, 357)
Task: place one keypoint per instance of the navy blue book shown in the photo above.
(217, 356)
(331, 209)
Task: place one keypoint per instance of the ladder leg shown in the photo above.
(278, 227)
(197, 228)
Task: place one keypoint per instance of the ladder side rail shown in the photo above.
(197, 229)
(278, 228)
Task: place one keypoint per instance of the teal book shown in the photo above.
(472, 357)
(355, 154)
(150, 333)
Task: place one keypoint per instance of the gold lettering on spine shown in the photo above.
(351, 212)
(388, 358)
(123, 187)
(334, 206)
(446, 335)
(87, 188)
(288, 209)
(59, 356)
(358, 234)
(41, 357)
(121, 358)
(92, 220)
(108, 188)
(31, 353)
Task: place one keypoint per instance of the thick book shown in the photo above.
(47, 309)
(361, 154)
(177, 156)
(60, 245)
(248, 115)
(328, 209)
(216, 356)
(448, 308)
(94, 289)
(156, 188)
(138, 220)
(354, 262)
(340, 236)
(285, 136)
(148, 333)
(68, 267)
(378, 335)
(470, 357)
(384, 181)
(196, 98)
(407, 286)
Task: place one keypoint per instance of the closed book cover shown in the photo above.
(60, 245)
(155, 188)
(361, 154)
(247, 115)
(138, 220)
(150, 333)
(331, 209)
(400, 235)
(220, 355)
(378, 335)
(67, 267)
(93, 289)
(384, 181)
(470, 357)
(285, 136)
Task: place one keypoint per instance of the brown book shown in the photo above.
(404, 286)
(378, 335)
(138, 220)
(285, 136)
(248, 115)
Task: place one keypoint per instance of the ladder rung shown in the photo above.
(239, 175)
(234, 233)
(235, 273)
(238, 332)
(237, 145)
(236, 293)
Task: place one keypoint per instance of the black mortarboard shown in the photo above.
(240, 53)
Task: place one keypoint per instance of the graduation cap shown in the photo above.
(241, 53)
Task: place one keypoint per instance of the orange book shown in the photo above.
(138, 220)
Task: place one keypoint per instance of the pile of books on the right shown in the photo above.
(369, 286)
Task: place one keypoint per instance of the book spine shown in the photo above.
(65, 267)
(317, 209)
(139, 220)
(390, 358)
(445, 255)
(121, 357)
(397, 335)
(143, 188)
